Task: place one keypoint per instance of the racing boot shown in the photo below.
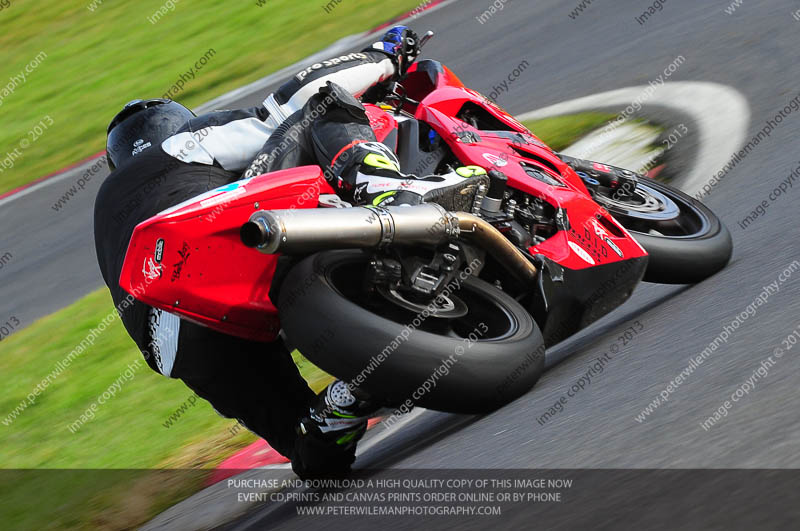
(367, 171)
(327, 437)
(378, 181)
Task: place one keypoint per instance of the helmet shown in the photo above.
(142, 124)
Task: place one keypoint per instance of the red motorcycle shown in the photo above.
(451, 311)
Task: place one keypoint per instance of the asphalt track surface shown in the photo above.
(753, 50)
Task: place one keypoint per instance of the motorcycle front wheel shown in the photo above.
(686, 241)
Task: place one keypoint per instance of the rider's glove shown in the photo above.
(402, 45)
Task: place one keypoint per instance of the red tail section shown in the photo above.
(189, 259)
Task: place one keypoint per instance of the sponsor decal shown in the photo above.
(580, 251)
(140, 146)
(601, 233)
(151, 270)
(212, 197)
(358, 193)
(177, 268)
(159, 250)
(599, 230)
(379, 122)
(154, 321)
(602, 167)
(329, 63)
(495, 161)
(223, 194)
(591, 243)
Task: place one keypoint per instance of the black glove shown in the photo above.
(402, 45)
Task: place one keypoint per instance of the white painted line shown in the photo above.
(721, 113)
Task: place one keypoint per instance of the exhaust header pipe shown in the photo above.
(303, 231)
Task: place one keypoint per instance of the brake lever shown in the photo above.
(425, 38)
(393, 88)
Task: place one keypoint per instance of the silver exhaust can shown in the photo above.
(301, 231)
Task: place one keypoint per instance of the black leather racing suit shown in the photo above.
(256, 383)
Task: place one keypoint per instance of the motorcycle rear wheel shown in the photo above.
(471, 364)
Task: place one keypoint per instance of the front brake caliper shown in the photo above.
(620, 181)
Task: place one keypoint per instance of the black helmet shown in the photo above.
(142, 124)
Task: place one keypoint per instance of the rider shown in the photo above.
(161, 154)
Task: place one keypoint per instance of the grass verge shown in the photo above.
(560, 132)
(127, 432)
(86, 58)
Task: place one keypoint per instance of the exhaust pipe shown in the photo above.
(486, 236)
(304, 231)
(316, 229)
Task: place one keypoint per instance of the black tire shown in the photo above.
(379, 355)
(702, 250)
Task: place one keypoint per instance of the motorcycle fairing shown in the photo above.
(205, 274)
(189, 259)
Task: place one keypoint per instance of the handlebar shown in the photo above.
(393, 94)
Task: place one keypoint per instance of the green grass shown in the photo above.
(559, 132)
(126, 433)
(97, 61)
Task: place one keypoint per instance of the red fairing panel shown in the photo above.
(381, 122)
(190, 260)
(593, 237)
